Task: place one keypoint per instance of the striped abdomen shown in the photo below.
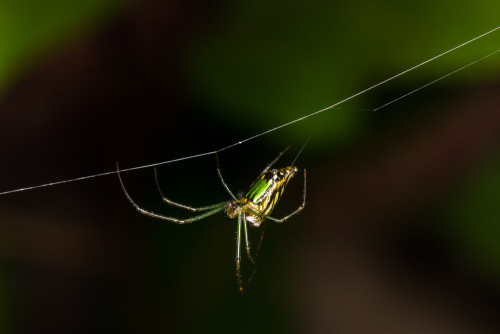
(265, 193)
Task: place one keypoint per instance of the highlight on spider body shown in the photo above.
(251, 209)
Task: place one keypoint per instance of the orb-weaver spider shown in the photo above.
(253, 208)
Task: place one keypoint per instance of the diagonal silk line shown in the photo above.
(275, 128)
(436, 80)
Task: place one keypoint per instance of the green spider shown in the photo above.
(253, 208)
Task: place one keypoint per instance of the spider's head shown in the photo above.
(233, 208)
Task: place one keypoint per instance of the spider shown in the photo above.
(253, 208)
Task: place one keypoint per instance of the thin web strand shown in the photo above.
(360, 92)
(434, 81)
(275, 128)
(301, 149)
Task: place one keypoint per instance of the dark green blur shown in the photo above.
(401, 231)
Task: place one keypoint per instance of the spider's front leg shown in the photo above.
(214, 208)
(273, 162)
(222, 179)
(179, 205)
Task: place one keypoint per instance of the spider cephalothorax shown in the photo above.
(253, 208)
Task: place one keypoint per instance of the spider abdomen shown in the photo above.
(265, 193)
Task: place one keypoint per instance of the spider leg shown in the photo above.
(217, 208)
(179, 205)
(250, 278)
(300, 208)
(247, 243)
(273, 162)
(260, 242)
(222, 180)
(238, 253)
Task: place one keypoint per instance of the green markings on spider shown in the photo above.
(255, 207)
(259, 188)
(266, 191)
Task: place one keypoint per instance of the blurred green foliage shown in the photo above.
(265, 63)
(30, 28)
(259, 64)
(475, 220)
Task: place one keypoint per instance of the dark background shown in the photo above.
(402, 227)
